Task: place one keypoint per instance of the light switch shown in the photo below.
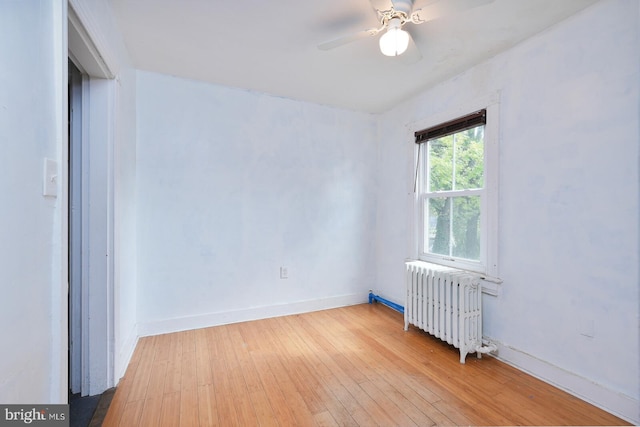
(50, 183)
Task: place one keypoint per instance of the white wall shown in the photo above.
(232, 185)
(33, 125)
(568, 235)
(32, 266)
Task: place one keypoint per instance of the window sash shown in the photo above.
(424, 252)
(424, 195)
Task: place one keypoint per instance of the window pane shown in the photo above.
(453, 226)
(441, 164)
(469, 159)
(466, 227)
(437, 240)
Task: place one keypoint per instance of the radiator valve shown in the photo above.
(486, 347)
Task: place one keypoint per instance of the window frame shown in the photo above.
(488, 263)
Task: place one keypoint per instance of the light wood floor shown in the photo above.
(346, 366)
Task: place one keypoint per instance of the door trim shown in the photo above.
(97, 208)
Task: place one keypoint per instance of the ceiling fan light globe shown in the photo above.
(394, 42)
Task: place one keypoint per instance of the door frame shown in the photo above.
(96, 370)
(77, 84)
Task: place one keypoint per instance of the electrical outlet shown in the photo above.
(284, 273)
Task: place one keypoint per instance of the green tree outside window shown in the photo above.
(455, 164)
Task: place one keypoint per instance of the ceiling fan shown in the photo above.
(393, 15)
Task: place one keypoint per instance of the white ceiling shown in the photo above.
(271, 46)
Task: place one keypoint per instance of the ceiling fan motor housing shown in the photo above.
(404, 6)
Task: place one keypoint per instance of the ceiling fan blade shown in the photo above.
(412, 54)
(381, 5)
(340, 41)
(443, 8)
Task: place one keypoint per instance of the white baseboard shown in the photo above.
(618, 404)
(124, 354)
(222, 318)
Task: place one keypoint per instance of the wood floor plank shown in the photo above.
(344, 408)
(277, 400)
(238, 335)
(254, 388)
(151, 411)
(221, 381)
(176, 345)
(402, 383)
(390, 389)
(304, 341)
(188, 341)
(396, 415)
(116, 408)
(140, 381)
(325, 419)
(380, 388)
(170, 412)
(322, 337)
(318, 398)
(189, 409)
(188, 378)
(241, 403)
(460, 415)
(173, 376)
(131, 413)
(157, 378)
(302, 378)
(164, 351)
(351, 366)
(449, 390)
(207, 406)
(357, 414)
(275, 363)
(203, 360)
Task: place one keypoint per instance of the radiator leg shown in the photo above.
(463, 355)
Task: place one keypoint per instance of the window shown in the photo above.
(456, 188)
